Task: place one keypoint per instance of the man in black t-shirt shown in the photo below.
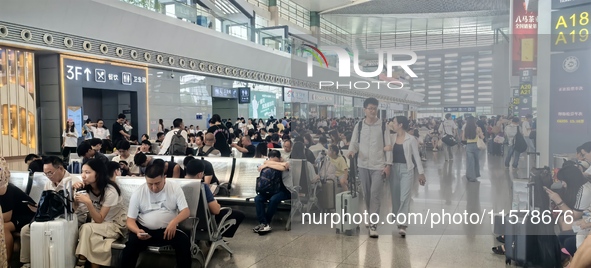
(222, 135)
(119, 133)
(247, 149)
(209, 176)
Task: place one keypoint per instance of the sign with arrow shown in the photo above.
(108, 76)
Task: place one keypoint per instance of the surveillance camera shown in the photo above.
(171, 75)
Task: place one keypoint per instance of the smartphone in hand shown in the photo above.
(30, 203)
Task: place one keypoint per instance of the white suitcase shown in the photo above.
(347, 203)
(53, 243)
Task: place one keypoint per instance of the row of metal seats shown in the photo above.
(201, 224)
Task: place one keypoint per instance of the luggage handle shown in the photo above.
(68, 189)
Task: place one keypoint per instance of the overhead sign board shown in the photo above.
(558, 4)
(571, 28)
(222, 92)
(459, 109)
(321, 98)
(291, 95)
(103, 75)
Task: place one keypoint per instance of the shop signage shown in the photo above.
(557, 4)
(570, 28)
(185, 12)
(321, 98)
(525, 32)
(459, 109)
(221, 92)
(291, 95)
(103, 75)
(569, 100)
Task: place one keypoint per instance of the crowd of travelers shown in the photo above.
(393, 150)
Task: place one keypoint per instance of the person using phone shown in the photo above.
(16, 212)
(150, 225)
(573, 199)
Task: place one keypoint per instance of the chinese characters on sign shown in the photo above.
(524, 37)
(526, 22)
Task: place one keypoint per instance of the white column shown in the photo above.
(544, 46)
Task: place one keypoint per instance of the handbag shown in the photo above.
(480, 143)
(449, 140)
(52, 205)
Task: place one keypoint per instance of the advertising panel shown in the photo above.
(262, 105)
(525, 32)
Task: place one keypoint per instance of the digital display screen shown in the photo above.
(570, 28)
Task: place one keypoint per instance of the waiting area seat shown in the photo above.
(192, 191)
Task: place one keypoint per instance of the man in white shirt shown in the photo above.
(510, 133)
(526, 129)
(178, 126)
(155, 210)
(128, 168)
(448, 127)
(53, 167)
(586, 153)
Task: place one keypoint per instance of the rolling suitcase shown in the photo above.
(326, 196)
(53, 243)
(347, 203)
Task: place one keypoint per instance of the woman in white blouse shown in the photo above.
(100, 131)
(70, 139)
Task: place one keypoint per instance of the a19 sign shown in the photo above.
(570, 28)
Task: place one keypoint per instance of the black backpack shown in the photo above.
(206, 153)
(52, 205)
(519, 142)
(178, 144)
(269, 181)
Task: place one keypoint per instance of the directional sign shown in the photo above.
(87, 73)
(100, 75)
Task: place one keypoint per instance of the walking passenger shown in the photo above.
(471, 134)
(448, 128)
(368, 141)
(405, 153)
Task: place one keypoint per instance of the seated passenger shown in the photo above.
(247, 149)
(145, 148)
(261, 151)
(275, 163)
(209, 176)
(36, 166)
(85, 150)
(572, 199)
(208, 149)
(31, 157)
(113, 170)
(53, 167)
(171, 168)
(106, 212)
(196, 170)
(274, 144)
(96, 144)
(155, 210)
(129, 168)
(341, 168)
(16, 211)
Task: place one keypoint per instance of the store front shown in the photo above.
(321, 105)
(18, 102)
(296, 103)
(457, 112)
(83, 88)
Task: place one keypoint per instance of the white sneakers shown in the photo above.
(262, 228)
(373, 231)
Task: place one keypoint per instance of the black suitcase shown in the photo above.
(520, 244)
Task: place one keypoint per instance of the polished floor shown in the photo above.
(443, 245)
(451, 245)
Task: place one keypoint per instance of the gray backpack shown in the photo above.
(178, 144)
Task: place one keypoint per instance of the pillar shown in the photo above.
(544, 72)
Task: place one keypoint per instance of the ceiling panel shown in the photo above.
(494, 7)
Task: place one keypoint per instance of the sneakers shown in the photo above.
(257, 228)
(373, 231)
(402, 231)
(265, 229)
(26, 265)
(434, 149)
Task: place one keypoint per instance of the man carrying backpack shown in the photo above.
(368, 142)
(175, 141)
